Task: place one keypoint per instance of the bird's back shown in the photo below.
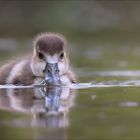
(17, 72)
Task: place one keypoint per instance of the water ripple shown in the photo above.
(104, 84)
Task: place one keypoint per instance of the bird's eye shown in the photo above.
(62, 55)
(40, 55)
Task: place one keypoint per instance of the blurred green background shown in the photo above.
(97, 31)
(102, 35)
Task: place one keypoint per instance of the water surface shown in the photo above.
(102, 109)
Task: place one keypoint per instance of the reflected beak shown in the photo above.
(51, 73)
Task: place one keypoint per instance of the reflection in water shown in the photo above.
(50, 111)
(52, 98)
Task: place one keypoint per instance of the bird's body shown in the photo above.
(17, 72)
(48, 61)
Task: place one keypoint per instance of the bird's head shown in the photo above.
(49, 58)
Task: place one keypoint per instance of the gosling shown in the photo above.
(48, 62)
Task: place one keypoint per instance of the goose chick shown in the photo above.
(48, 62)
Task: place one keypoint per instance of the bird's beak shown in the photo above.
(51, 73)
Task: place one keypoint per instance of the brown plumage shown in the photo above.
(50, 43)
(25, 77)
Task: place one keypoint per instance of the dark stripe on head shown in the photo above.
(50, 43)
